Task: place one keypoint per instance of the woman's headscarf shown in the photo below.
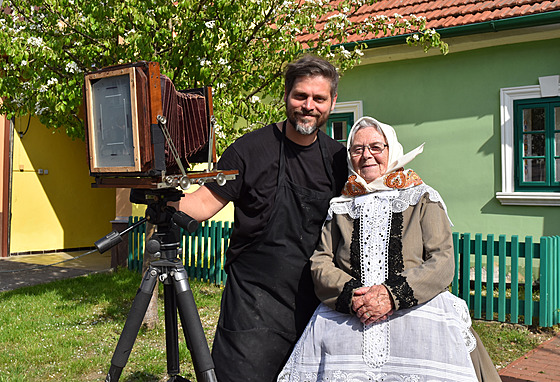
(395, 176)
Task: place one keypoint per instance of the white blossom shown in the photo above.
(52, 81)
(255, 99)
(35, 41)
(40, 110)
(210, 24)
(72, 67)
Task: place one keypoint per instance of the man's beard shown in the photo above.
(308, 128)
(305, 129)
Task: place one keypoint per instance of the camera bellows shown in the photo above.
(187, 121)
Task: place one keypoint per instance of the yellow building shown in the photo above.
(52, 203)
(46, 189)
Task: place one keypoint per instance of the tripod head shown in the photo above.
(167, 219)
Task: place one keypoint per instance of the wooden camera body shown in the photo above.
(142, 133)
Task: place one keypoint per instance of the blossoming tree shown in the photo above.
(237, 47)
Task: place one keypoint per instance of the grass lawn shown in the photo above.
(67, 330)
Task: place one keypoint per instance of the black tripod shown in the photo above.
(177, 292)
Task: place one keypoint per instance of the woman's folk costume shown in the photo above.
(392, 231)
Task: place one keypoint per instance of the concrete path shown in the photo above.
(24, 270)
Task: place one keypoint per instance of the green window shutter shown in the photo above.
(537, 144)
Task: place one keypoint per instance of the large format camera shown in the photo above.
(142, 133)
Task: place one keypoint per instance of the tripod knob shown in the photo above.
(153, 247)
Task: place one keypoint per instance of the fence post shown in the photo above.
(195, 242)
(466, 269)
(490, 277)
(219, 236)
(212, 258)
(556, 285)
(514, 279)
(502, 279)
(543, 303)
(528, 280)
(478, 276)
(455, 282)
(206, 255)
(130, 244)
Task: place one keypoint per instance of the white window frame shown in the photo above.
(354, 107)
(548, 87)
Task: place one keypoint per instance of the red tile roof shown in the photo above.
(449, 13)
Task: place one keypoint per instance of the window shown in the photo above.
(342, 118)
(339, 125)
(530, 134)
(537, 144)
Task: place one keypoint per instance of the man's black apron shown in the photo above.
(269, 297)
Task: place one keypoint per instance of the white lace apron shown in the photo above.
(429, 342)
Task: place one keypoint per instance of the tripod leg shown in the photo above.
(132, 325)
(194, 334)
(171, 330)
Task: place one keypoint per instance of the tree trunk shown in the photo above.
(151, 317)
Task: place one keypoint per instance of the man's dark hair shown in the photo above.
(309, 66)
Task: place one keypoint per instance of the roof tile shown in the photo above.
(447, 13)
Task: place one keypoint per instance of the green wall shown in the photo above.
(453, 104)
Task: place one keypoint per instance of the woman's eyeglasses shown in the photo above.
(374, 148)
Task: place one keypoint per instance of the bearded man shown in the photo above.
(288, 172)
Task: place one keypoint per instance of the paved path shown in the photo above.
(25, 270)
(539, 365)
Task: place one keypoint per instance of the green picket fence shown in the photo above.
(203, 250)
(501, 280)
(509, 281)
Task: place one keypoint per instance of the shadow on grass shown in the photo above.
(141, 376)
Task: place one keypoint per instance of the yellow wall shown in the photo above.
(59, 210)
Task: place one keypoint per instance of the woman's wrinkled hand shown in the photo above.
(372, 304)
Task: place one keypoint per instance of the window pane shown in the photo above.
(533, 119)
(557, 118)
(533, 145)
(557, 170)
(534, 170)
(339, 130)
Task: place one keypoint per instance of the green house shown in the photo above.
(489, 111)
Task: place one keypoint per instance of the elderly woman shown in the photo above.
(382, 271)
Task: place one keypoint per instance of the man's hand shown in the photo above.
(372, 304)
